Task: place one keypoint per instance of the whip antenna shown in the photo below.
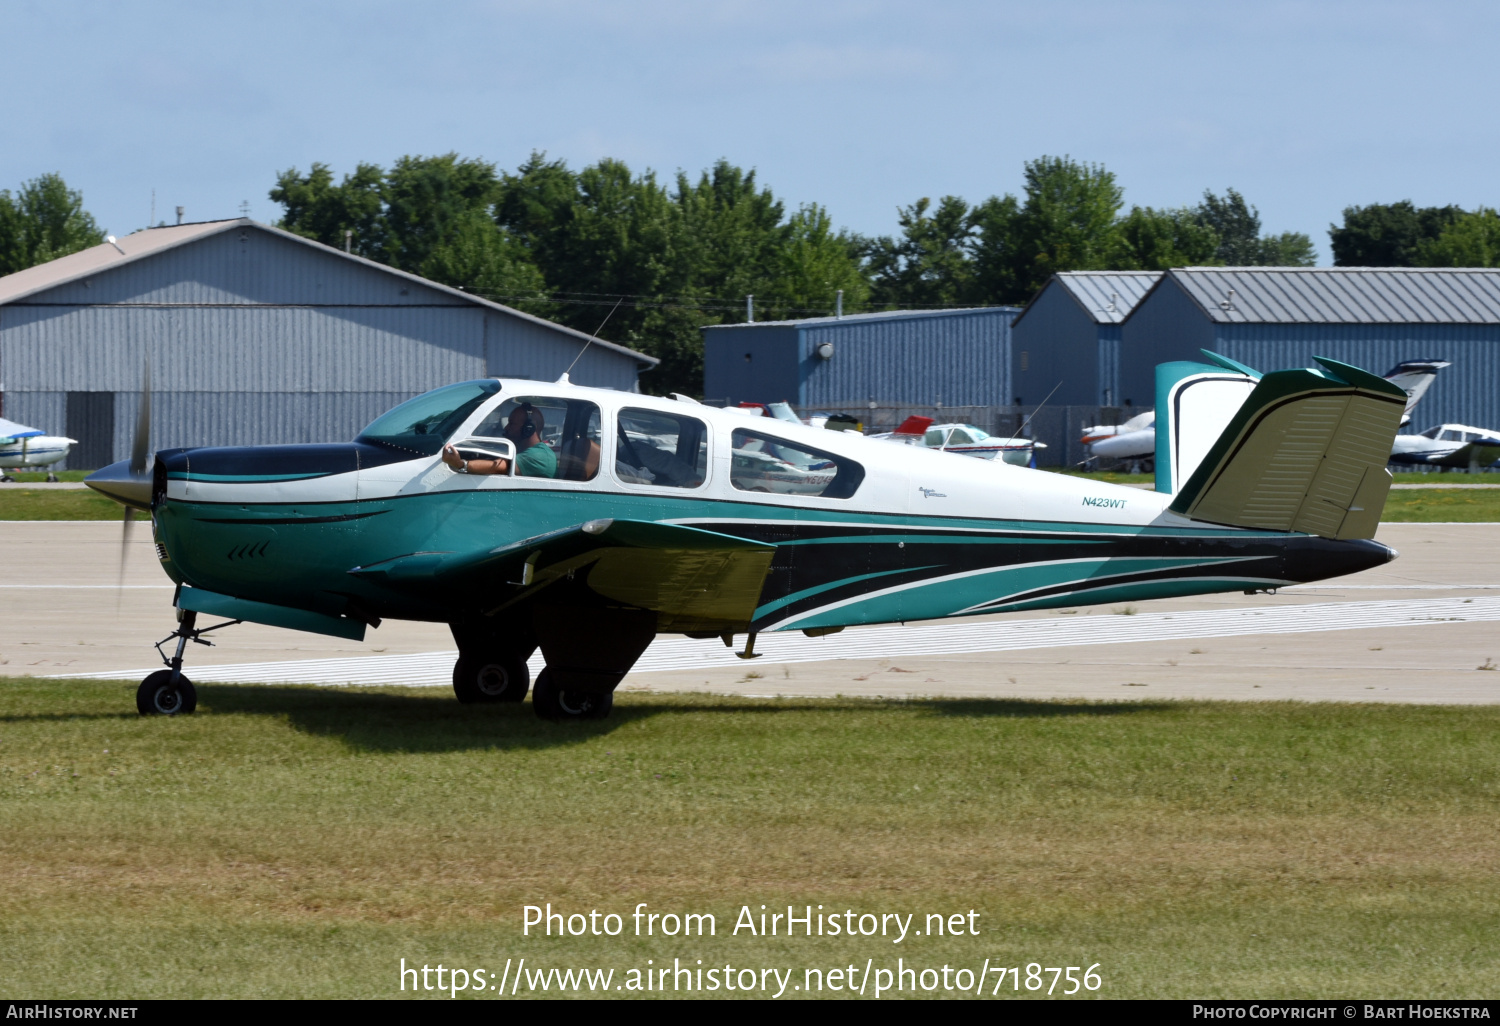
(601, 328)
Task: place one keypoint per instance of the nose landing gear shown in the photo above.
(167, 692)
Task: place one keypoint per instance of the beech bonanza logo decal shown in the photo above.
(1089, 500)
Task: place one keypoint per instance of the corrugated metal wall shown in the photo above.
(265, 341)
(953, 359)
(1466, 393)
(247, 265)
(753, 363)
(1056, 345)
(1164, 326)
(1168, 325)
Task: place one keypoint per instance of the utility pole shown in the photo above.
(749, 309)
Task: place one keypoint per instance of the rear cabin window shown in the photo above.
(664, 449)
(764, 463)
(557, 438)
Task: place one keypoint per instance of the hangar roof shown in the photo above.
(150, 241)
(1344, 295)
(862, 318)
(1106, 296)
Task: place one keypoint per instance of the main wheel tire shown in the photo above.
(158, 696)
(490, 678)
(552, 703)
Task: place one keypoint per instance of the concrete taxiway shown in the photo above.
(1425, 628)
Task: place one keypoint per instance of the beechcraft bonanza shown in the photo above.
(22, 448)
(649, 516)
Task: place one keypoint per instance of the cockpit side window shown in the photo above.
(557, 438)
(664, 449)
(763, 463)
(423, 424)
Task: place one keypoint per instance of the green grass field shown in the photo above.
(299, 842)
(1423, 505)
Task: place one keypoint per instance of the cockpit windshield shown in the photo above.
(423, 424)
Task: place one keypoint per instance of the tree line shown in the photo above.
(654, 260)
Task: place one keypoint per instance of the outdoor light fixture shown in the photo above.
(825, 351)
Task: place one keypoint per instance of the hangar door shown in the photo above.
(91, 422)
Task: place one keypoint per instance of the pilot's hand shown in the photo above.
(451, 457)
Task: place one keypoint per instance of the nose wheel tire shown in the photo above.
(490, 678)
(158, 696)
(552, 703)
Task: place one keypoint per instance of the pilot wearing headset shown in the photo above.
(533, 457)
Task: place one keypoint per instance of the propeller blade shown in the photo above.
(124, 555)
(141, 444)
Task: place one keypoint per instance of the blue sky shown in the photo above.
(863, 107)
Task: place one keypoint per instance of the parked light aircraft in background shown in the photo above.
(666, 516)
(1136, 438)
(1448, 445)
(22, 448)
(964, 439)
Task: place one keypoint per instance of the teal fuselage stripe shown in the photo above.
(797, 596)
(265, 552)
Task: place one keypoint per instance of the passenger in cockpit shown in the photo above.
(533, 457)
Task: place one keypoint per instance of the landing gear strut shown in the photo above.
(167, 692)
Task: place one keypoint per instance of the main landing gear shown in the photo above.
(167, 692)
(588, 653)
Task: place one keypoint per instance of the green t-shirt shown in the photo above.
(537, 461)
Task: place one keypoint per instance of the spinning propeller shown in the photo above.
(129, 481)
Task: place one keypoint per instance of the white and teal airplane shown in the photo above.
(641, 516)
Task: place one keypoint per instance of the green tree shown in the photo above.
(1155, 240)
(480, 257)
(315, 208)
(1289, 249)
(1067, 221)
(1471, 240)
(1237, 224)
(1387, 234)
(425, 197)
(44, 220)
(929, 265)
(998, 273)
(813, 264)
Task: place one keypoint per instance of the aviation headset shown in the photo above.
(529, 428)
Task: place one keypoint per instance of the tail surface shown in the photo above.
(1305, 451)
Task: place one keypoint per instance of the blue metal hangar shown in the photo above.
(1372, 317)
(916, 357)
(1069, 339)
(254, 336)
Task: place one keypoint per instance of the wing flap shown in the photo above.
(1306, 452)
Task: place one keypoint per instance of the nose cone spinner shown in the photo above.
(124, 485)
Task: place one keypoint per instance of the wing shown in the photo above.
(1305, 452)
(1478, 454)
(694, 580)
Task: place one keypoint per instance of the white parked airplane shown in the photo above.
(22, 448)
(964, 439)
(1448, 445)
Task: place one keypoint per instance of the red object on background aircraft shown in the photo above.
(913, 426)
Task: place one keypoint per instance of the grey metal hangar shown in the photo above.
(254, 336)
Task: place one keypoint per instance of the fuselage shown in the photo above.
(33, 451)
(1453, 445)
(925, 534)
